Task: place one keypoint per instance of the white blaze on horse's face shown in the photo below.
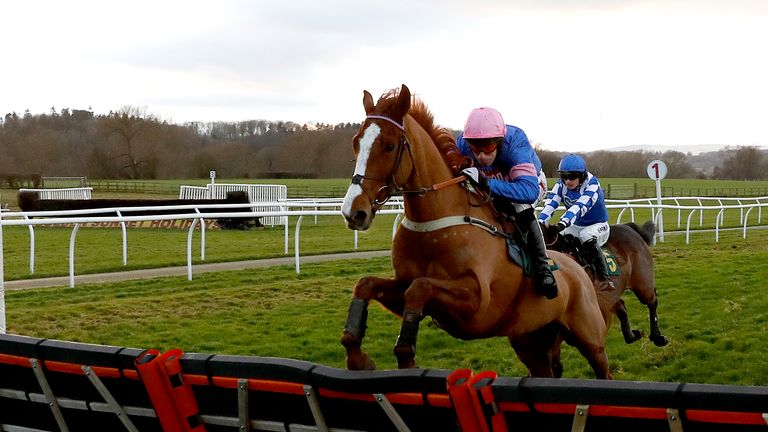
(358, 219)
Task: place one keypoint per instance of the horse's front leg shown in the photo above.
(459, 297)
(388, 292)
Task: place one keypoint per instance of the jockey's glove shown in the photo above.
(561, 226)
(476, 179)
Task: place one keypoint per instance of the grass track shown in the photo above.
(712, 307)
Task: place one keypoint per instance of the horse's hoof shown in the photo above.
(362, 362)
(636, 336)
(557, 370)
(660, 340)
(406, 356)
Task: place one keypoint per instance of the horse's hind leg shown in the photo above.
(557, 366)
(587, 332)
(383, 290)
(646, 294)
(539, 351)
(630, 336)
(656, 337)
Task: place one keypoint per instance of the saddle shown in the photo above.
(515, 239)
(572, 246)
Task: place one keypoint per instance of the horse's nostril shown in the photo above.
(360, 216)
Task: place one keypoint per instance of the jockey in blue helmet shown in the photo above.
(586, 216)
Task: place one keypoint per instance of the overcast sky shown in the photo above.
(574, 74)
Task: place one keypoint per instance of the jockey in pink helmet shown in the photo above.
(507, 167)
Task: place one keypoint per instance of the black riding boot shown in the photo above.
(544, 280)
(597, 259)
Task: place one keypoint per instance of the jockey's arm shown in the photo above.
(582, 205)
(551, 203)
(523, 189)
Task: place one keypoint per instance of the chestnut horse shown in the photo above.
(449, 260)
(630, 245)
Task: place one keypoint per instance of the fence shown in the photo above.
(619, 191)
(53, 182)
(612, 191)
(80, 193)
(116, 186)
(257, 193)
(48, 384)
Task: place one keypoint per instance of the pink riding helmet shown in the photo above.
(484, 123)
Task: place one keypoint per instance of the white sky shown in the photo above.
(576, 75)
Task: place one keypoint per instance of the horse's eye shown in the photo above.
(389, 147)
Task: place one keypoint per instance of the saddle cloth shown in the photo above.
(519, 256)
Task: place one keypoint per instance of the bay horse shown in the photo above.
(630, 245)
(449, 260)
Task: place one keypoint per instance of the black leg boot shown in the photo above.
(597, 259)
(544, 280)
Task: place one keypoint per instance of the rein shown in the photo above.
(432, 225)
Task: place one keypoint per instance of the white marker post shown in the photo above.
(657, 170)
(212, 174)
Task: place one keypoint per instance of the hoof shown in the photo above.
(362, 362)
(636, 336)
(660, 340)
(557, 370)
(406, 356)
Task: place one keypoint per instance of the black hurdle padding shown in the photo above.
(418, 396)
(536, 404)
(716, 407)
(276, 395)
(17, 381)
(61, 363)
(29, 201)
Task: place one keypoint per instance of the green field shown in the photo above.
(712, 308)
(616, 188)
(711, 302)
(99, 250)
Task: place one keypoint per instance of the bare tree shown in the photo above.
(126, 126)
(745, 163)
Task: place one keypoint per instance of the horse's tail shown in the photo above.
(646, 232)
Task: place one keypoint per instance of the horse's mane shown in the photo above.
(442, 137)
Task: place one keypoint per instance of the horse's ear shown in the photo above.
(367, 102)
(403, 103)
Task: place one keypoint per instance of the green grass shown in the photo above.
(712, 307)
(99, 250)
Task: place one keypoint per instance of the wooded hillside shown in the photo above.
(133, 144)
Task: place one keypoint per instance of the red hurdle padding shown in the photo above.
(172, 398)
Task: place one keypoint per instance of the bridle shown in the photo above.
(385, 192)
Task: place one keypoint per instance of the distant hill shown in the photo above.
(692, 149)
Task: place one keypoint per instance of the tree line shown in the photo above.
(130, 143)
